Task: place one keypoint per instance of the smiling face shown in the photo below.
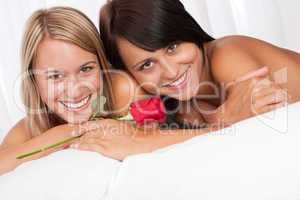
(68, 79)
(174, 71)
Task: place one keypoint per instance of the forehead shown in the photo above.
(130, 52)
(60, 54)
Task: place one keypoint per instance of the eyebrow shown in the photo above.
(57, 71)
(89, 62)
(52, 71)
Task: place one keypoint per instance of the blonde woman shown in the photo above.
(62, 63)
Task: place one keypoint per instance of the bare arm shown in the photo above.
(17, 142)
(241, 60)
(118, 140)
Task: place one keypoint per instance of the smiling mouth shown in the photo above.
(76, 105)
(180, 81)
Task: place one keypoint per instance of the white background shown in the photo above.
(275, 21)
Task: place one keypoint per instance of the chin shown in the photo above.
(76, 119)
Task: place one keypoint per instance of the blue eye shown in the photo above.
(86, 69)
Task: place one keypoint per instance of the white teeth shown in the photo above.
(179, 81)
(80, 104)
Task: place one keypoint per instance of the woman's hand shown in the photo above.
(114, 139)
(251, 95)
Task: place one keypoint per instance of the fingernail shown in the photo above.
(74, 146)
(75, 133)
(264, 68)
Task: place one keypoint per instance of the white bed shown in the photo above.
(255, 159)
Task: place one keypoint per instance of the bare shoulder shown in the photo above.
(234, 56)
(126, 90)
(17, 135)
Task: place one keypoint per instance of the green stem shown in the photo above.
(94, 117)
(48, 147)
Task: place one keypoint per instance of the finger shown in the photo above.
(88, 138)
(262, 72)
(82, 129)
(269, 108)
(259, 87)
(89, 127)
(259, 82)
(274, 98)
(93, 140)
(98, 133)
(88, 147)
(266, 92)
(248, 86)
(263, 83)
(92, 125)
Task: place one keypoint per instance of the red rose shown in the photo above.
(148, 110)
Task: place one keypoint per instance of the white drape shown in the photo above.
(271, 20)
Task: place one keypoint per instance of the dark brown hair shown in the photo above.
(148, 24)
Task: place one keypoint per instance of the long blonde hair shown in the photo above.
(61, 23)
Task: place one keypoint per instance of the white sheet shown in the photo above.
(67, 175)
(256, 159)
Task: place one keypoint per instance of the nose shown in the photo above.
(170, 70)
(75, 89)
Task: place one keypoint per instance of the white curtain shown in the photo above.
(271, 20)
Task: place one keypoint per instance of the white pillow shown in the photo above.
(65, 175)
(255, 159)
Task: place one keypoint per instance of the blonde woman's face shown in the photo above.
(68, 79)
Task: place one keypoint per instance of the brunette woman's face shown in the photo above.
(68, 79)
(174, 71)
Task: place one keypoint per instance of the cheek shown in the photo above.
(95, 80)
(91, 83)
(148, 81)
(50, 92)
(193, 56)
(189, 55)
(47, 90)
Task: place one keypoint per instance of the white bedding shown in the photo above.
(255, 159)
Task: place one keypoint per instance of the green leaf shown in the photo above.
(98, 107)
(127, 117)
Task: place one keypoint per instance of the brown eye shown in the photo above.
(171, 48)
(148, 64)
